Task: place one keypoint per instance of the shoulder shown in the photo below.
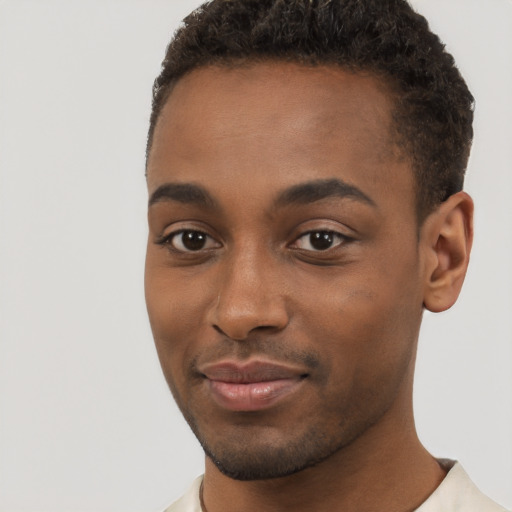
(189, 502)
(457, 493)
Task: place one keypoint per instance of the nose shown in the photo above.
(251, 297)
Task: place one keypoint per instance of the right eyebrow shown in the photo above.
(188, 193)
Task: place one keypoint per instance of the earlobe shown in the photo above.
(447, 235)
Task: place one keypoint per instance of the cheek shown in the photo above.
(366, 324)
(176, 310)
(370, 353)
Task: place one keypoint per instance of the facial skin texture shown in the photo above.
(258, 149)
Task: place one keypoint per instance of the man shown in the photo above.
(305, 167)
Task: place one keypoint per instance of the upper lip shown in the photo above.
(250, 372)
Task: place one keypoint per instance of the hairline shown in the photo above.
(390, 84)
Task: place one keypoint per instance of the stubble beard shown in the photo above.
(244, 461)
(247, 455)
(251, 452)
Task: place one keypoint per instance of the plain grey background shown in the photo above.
(86, 420)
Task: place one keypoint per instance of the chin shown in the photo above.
(246, 456)
(248, 465)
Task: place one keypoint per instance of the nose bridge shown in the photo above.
(248, 264)
(250, 293)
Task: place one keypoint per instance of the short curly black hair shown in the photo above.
(433, 112)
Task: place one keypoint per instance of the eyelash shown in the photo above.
(167, 240)
(322, 235)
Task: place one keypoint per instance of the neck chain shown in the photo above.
(201, 500)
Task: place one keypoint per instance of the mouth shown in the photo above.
(252, 386)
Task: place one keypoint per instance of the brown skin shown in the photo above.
(347, 316)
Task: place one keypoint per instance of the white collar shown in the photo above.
(456, 493)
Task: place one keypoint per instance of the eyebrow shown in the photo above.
(187, 193)
(311, 191)
(302, 193)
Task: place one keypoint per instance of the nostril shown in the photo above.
(228, 334)
(235, 334)
(236, 317)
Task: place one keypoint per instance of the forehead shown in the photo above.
(281, 122)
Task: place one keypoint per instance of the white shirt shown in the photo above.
(457, 493)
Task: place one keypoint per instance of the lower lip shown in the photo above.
(253, 396)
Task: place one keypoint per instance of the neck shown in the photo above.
(374, 485)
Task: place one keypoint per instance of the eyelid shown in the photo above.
(341, 236)
(178, 226)
(323, 224)
(167, 238)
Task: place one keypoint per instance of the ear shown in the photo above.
(446, 237)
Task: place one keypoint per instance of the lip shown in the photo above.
(252, 386)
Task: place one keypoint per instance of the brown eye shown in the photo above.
(319, 240)
(191, 241)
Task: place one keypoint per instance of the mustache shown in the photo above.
(268, 349)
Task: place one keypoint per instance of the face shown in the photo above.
(283, 273)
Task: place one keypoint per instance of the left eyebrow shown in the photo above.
(312, 191)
